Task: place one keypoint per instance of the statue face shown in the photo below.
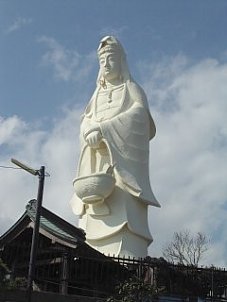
(110, 65)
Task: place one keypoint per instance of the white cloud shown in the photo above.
(189, 154)
(9, 128)
(67, 64)
(56, 149)
(18, 24)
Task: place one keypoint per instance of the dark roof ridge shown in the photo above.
(72, 230)
(49, 222)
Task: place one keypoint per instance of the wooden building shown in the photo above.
(70, 269)
(64, 262)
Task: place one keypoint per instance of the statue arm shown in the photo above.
(90, 132)
(129, 128)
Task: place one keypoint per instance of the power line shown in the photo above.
(7, 167)
(10, 167)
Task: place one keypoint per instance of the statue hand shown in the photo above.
(94, 139)
(90, 129)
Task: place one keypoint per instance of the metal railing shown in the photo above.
(64, 271)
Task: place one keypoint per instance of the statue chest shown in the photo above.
(108, 103)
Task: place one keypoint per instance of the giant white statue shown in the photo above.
(112, 187)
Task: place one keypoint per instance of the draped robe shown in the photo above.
(126, 127)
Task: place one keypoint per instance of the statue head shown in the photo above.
(112, 61)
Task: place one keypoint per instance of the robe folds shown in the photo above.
(126, 127)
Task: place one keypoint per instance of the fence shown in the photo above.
(60, 270)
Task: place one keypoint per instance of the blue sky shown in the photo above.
(148, 29)
(176, 50)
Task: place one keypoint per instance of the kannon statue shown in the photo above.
(112, 187)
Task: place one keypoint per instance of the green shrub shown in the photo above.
(132, 290)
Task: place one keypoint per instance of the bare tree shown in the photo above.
(186, 248)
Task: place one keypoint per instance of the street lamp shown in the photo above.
(35, 235)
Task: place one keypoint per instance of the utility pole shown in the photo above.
(35, 235)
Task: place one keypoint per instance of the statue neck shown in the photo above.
(111, 84)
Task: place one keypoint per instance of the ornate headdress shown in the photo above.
(111, 44)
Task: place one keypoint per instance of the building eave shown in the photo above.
(51, 226)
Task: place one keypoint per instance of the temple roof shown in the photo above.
(51, 226)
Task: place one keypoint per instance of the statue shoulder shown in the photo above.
(137, 93)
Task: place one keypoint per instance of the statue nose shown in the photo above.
(106, 63)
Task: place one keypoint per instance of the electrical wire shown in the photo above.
(10, 167)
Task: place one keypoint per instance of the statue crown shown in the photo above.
(109, 44)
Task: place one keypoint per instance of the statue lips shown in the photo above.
(107, 70)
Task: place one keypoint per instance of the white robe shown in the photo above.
(126, 129)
